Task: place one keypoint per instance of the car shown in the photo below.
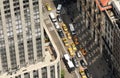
(66, 43)
(82, 73)
(59, 18)
(61, 34)
(78, 54)
(75, 38)
(83, 51)
(52, 17)
(87, 73)
(73, 46)
(64, 39)
(75, 62)
(48, 7)
(83, 64)
(59, 7)
(71, 51)
(68, 35)
(57, 26)
(64, 27)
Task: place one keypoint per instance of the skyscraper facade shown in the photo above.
(102, 18)
(22, 40)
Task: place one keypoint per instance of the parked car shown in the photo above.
(73, 46)
(61, 34)
(52, 17)
(59, 7)
(68, 35)
(59, 18)
(75, 38)
(83, 63)
(78, 54)
(87, 73)
(57, 26)
(70, 50)
(75, 62)
(82, 73)
(83, 51)
(64, 27)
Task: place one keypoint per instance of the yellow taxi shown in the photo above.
(64, 39)
(71, 51)
(73, 47)
(68, 35)
(66, 43)
(82, 73)
(64, 27)
(48, 7)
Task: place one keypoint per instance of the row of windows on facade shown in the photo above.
(12, 51)
(36, 74)
(17, 7)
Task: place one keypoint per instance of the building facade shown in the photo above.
(100, 17)
(22, 49)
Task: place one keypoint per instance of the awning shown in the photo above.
(104, 2)
(102, 8)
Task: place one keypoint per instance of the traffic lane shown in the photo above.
(67, 74)
(57, 42)
(50, 28)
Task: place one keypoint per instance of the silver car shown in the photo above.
(78, 54)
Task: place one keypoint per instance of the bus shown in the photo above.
(68, 62)
(52, 16)
(72, 29)
(59, 7)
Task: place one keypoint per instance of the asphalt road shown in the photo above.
(56, 41)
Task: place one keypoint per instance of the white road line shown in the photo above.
(78, 76)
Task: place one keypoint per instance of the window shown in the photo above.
(58, 70)
(44, 72)
(26, 75)
(35, 74)
(52, 71)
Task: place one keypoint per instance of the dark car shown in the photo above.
(75, 62)
(61, 34)
(83, 63)
(87, 73)
(59, 18)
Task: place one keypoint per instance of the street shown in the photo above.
(55, 39)
(93, 58)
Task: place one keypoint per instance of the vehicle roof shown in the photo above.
(52, 15)
(71, 27)
(67, 56)
(59, 6)
(70, 64)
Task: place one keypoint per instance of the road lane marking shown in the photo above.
(78, 76)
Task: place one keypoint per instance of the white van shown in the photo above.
(52, 16)
(72, 29)
(59, 7)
